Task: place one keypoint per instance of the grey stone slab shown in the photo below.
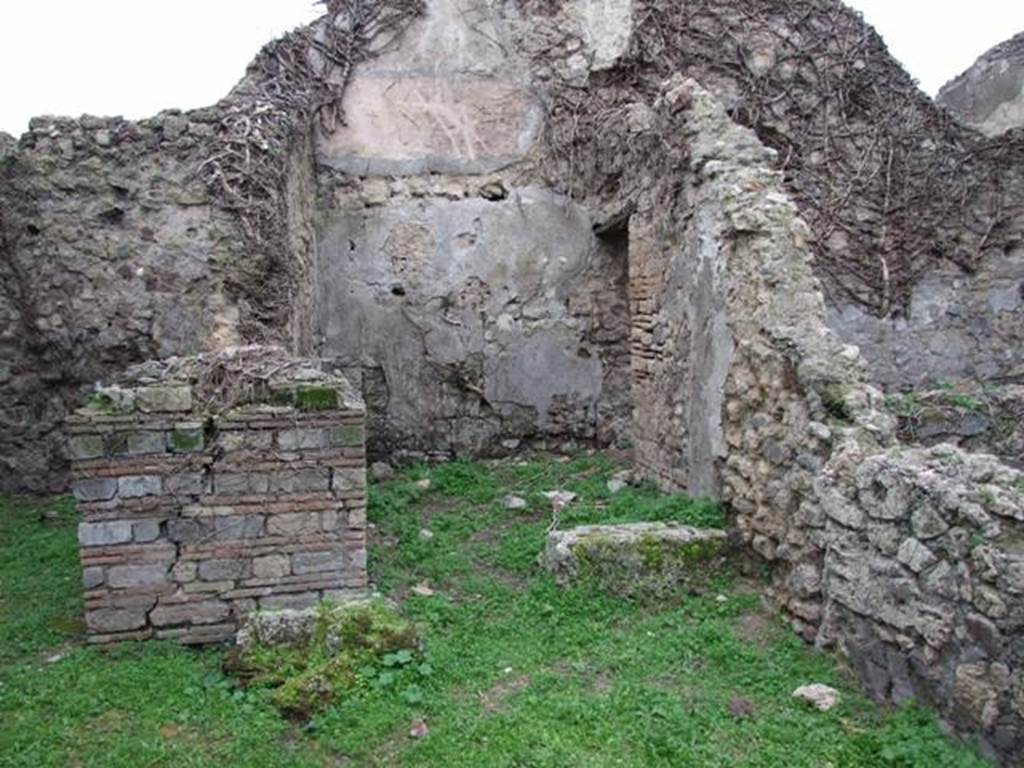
(149, 575)
(164, 399)
(144, 531)
(94, 489)
(303, 439)
(137, 486)
(316, 562)
(104, 534)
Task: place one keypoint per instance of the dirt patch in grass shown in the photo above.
(758, 628)
(435, 505)
(495, 699)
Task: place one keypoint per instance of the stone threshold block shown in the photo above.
(635, 559)
(214, 486)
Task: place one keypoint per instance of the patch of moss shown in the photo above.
(186, 440)
(653, 552)
(834, 400)
(965, 402)
(348, 644)
(907, 405)
(651, 567)
(348, 434)
(316, 399)
(306, 398)
(101, 402)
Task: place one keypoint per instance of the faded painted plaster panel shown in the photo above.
(483, 318)
(414, 124)
(448, 99)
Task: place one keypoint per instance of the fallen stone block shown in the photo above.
(634, 559)
(821, 697)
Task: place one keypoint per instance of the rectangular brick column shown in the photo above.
(191, 518)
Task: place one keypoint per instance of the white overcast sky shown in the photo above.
(136, 57)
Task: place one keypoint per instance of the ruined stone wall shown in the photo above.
(916, 221)
(193, 517)
(923, 584)
(478, 113)
(481, 311)
(906, 559)
(115, 252)
(112, 255)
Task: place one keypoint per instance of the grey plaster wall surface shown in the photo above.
(477, 309)
(474, 320)
(112, 254)
(959, 326)
(990, 95)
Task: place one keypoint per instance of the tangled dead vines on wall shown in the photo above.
(294, 85)
(891, 185)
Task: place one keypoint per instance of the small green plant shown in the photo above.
(465, 480)
(100, 402)
(834, 400)
(948, 458)
(907, 405)
(965, 402)
(1017, 486)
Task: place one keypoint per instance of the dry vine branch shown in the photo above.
(891, 185)
(294, 86)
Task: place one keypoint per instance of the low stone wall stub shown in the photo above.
(923, 584)
(193, 516)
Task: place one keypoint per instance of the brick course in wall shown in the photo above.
(193, 517)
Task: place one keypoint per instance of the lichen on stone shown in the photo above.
(642, 560)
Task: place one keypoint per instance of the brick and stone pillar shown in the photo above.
(201, 503)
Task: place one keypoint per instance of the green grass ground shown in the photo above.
(520, 672)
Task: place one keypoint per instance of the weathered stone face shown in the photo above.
(928, 573)
(127, 266)
(647, 560)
